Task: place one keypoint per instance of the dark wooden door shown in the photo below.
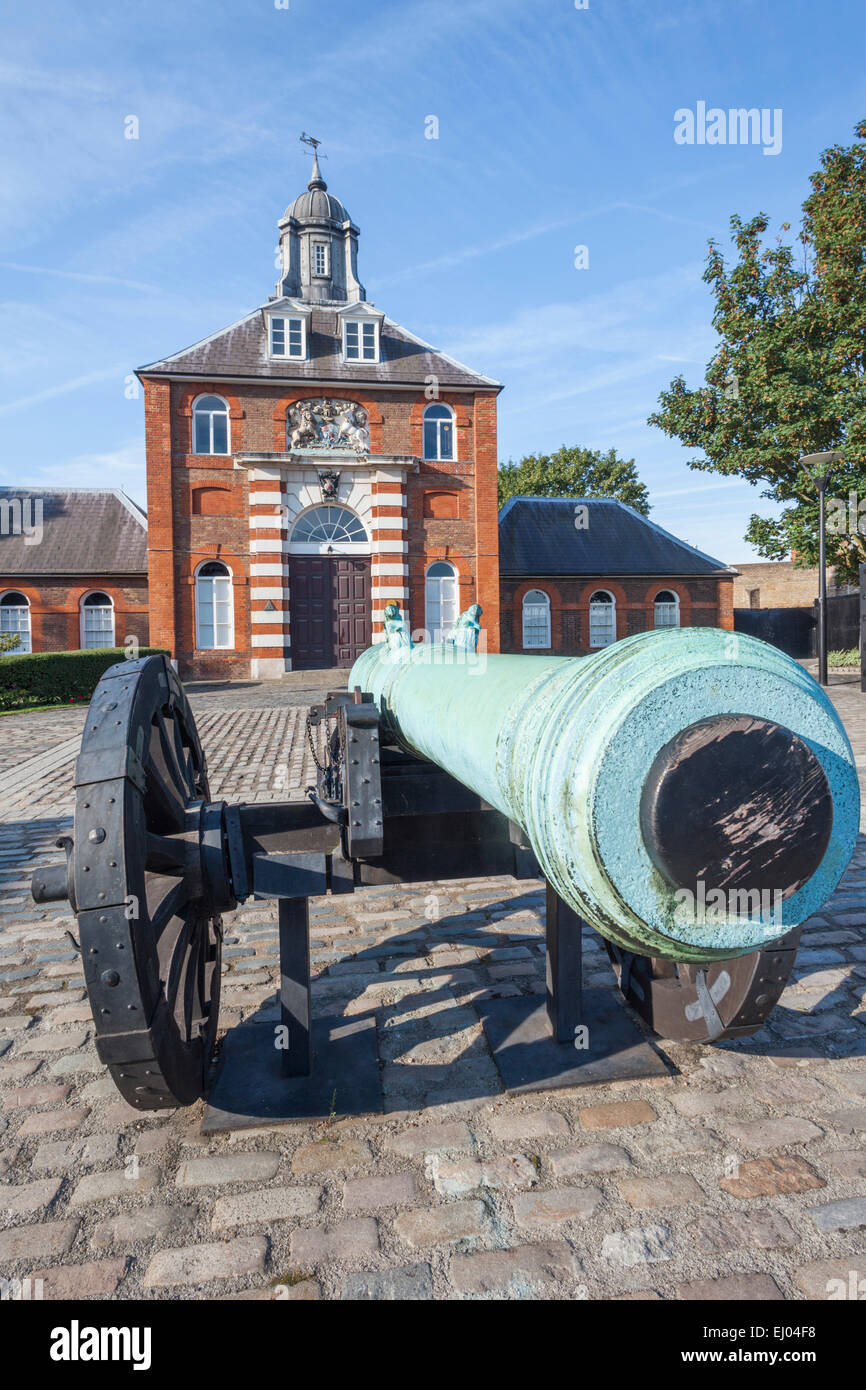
(329, 610)
(310, 622)
(351, 588)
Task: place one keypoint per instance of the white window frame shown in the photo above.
(329, 546)
(211, 453)
(542, 619)
(25, 634)
(361, 325)
(439, 422)
(607, 608)
(320, 246)
(93, 608)
(215, 646)
(438, 631)
(675, 606)
(285, 331)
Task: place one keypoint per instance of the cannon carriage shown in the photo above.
(691, 795)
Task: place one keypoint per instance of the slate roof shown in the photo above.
(241, 350)
(537, 536)
(86, 531)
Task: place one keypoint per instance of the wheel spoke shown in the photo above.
(167, 909)
(167, 803)
(183, 977)
(182, 751)
(172, 752)
(166, 854)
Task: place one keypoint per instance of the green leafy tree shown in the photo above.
(789, 374)
(574, 473)
(9, 641)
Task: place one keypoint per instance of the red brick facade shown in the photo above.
(703, 602)
(200, 506)
(55, 608)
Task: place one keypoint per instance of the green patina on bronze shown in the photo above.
(564, 747)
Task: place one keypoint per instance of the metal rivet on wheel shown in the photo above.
(110, 978)
(96, 835)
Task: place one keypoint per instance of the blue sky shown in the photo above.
(556, 129)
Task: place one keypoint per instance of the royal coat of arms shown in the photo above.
(327, 424)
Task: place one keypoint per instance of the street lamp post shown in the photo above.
(820, 467)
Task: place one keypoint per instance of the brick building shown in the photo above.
(778, 584)
(580, 573)
(307, 464)
(73, 568)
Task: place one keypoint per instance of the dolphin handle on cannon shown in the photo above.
(689, 793)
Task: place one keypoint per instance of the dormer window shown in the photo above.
(320, 258)
(361, 340)
(288, 337)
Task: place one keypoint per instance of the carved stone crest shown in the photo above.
(328, 424)
(329, 481)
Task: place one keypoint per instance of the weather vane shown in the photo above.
(313, 144)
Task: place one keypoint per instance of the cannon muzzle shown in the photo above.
(690, 792)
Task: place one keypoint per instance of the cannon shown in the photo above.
(689, 794)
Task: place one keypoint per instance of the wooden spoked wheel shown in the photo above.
(145, 833)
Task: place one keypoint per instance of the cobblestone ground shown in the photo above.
(742, 1174)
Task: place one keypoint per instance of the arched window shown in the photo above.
(438, 432)
(210, 426)
(321, 526)
(536, 619)
(441, 607)
(214, 607)
(15, 619)
(667, 609)
(97, 621)
(602, 619)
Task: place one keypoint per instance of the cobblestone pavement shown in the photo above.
(252, 732)
(741, 1174)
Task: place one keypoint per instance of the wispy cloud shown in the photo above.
(63, 388)
(81, 276)
(122, 467)
(29, 77)
(531, 233)
(471, 253)
(604, 322)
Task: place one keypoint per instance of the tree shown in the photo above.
(789, 374)
(9, 642)
(574, 473)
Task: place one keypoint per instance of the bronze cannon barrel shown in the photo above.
(690, 792)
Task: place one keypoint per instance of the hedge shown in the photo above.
(57, 678)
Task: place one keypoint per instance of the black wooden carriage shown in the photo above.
(154, 863)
